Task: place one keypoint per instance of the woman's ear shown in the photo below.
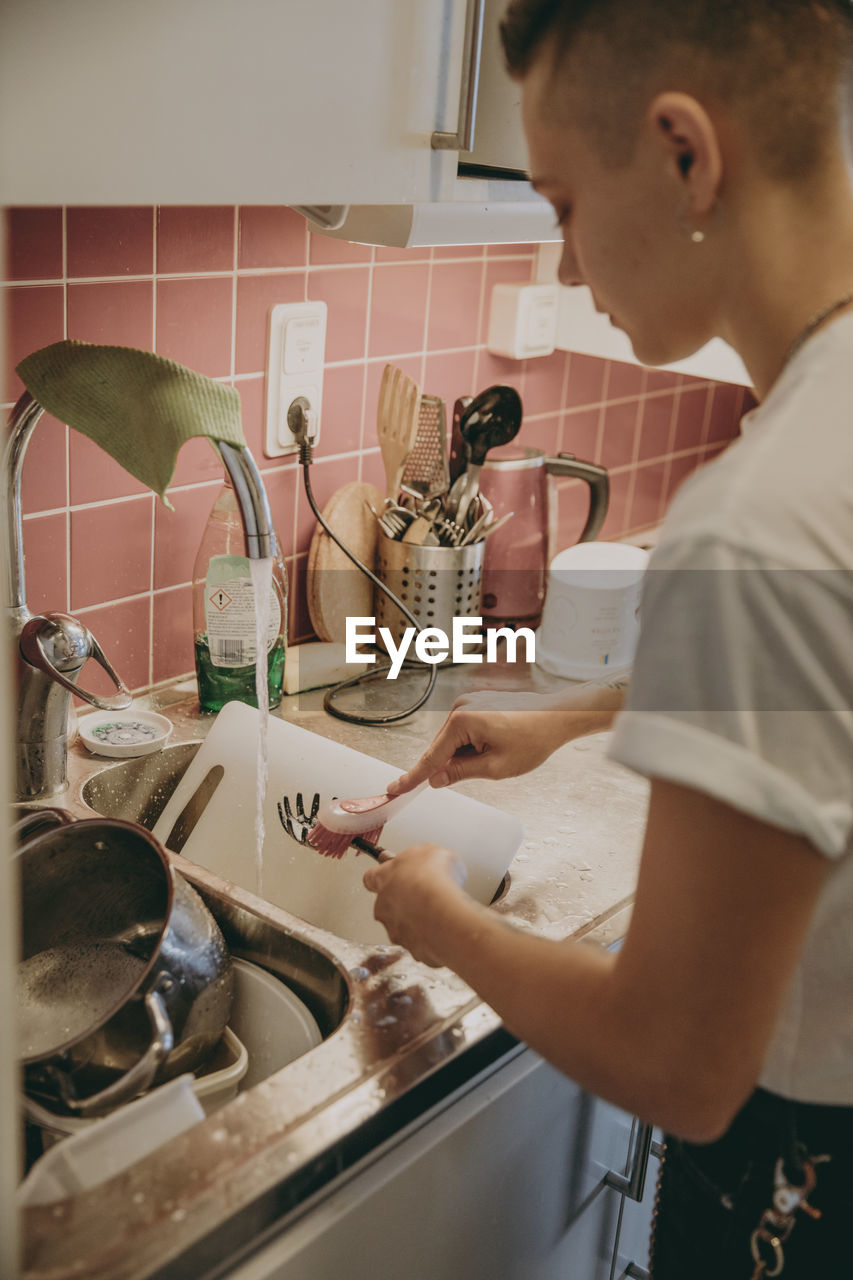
(691, 145)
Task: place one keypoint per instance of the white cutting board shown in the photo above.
(323, 891)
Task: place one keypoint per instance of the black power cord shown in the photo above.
(298, 423)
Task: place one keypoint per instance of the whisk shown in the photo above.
(335, 826)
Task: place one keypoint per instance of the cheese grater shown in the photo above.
(426, 467)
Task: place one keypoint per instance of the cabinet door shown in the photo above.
(507, 1182)
(227, 101)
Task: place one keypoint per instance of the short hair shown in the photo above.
(780, 64)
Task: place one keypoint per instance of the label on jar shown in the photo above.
(229, 611)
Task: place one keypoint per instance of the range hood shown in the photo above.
(483, 221)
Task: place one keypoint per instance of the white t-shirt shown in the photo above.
(743, 681)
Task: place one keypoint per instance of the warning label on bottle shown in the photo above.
(229, 609)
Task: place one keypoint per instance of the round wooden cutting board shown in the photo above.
(336, 589)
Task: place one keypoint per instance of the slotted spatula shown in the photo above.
(396, 424)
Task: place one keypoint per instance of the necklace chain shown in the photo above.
(818, 319)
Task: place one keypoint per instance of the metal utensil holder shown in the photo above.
(436, 584)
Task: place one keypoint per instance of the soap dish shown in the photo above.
(125, 733)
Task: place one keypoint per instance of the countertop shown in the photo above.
(410, 1035)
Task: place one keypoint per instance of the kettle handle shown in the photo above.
(566, 464)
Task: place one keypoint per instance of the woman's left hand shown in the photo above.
(416, 893)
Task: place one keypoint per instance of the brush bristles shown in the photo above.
(334, 844)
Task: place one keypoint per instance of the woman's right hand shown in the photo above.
(502, 735)
(489, 735)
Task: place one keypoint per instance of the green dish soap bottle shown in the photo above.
(224, 613)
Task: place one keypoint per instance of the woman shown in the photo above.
(696, 157)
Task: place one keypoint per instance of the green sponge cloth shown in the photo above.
(137, 406)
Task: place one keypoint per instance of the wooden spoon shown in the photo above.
(396, 424)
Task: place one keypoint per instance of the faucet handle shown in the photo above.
(59, 646)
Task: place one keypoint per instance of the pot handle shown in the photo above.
(38, 821)
(566, 464)
(140, 1076)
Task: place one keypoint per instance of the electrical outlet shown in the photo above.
(297, 349)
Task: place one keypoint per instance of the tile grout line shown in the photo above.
(155, 262)
(368, 322)
(67, 440)
(667, 469)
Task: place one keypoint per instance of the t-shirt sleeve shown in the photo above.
(743, 687)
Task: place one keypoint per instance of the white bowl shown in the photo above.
(274, 1024)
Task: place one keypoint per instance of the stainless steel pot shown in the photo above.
(125, 980)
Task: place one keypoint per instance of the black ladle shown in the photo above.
(491, 419)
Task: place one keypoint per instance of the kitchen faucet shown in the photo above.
(51, 649)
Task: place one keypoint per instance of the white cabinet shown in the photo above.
(508, 1181)
(234, 101)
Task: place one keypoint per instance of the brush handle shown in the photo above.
(377, 853)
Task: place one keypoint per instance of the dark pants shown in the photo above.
(711, 1197)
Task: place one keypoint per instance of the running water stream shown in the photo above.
(262, 583)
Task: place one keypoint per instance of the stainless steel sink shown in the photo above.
(399, 1038)
(139, 789)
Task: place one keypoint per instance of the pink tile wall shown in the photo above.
(197, 284)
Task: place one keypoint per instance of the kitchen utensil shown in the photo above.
(515, 478)
(426, 468)
(362, 816)
(590, 620)
(294, 877)
(436, 584)
(456, 458)
(125, 979)
(493, 418)
(421, 531)
(302, 826)
(337, 590)
(484, 523)
(397, 416)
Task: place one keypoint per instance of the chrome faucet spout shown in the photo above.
(22, 423)
(50, 650)
(251, 499)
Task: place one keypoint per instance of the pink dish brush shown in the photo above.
(341, 823)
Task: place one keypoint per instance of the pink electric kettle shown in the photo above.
(517, 555)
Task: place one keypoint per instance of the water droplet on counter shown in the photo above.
(387, 1021)
(219, 1135)
(522, 857)
(179, 1215)
(359, 973)
(355, 1017)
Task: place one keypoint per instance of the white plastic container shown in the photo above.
(590, 622)
(96, 1150)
